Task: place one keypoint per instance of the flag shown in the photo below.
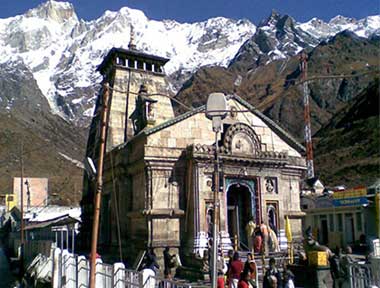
(288, 230)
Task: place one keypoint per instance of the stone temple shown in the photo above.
(158, 170)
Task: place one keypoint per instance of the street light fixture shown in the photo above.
(216, 110)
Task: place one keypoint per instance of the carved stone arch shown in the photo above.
(241, 139)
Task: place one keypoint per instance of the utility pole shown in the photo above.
(22, 206)
(99, 185)
(216, 216)
(307, 128)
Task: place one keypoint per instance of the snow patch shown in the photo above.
(77, 163)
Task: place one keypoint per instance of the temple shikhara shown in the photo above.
(158, 171)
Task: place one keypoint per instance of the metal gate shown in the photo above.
(361, 276)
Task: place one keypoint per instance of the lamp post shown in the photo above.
(216, 110)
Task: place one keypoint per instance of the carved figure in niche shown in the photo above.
(150, 111)
(240, 138)
(241, 143)
(233, 112)
(269, 185)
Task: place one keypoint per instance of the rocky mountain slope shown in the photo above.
(62, 51)
(348, 147)
(50, 144)
(49, 80)
(274, 88)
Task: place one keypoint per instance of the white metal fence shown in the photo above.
(66, 270)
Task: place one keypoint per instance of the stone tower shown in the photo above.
(138, 90)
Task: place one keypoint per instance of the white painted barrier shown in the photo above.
(119, 275)
(67, 270)
(375, 265)
(376, 247)
(148, 278)
(43, 270)
(83, 270)
(69, 275)
(57, 268)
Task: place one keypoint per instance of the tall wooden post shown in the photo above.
(99, 186)
(22, 207)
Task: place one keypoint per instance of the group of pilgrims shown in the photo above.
(261, 238)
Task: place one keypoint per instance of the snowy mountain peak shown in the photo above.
(280, 37)
(62, 52)
(59, 12)
(322, 30)
(271, 20)
(342, 20)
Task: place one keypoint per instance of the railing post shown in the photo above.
(83, 272)
(76, 271)
(112, 276)
(119, 275)
(141, 279)
(235, 242)
(351, 274)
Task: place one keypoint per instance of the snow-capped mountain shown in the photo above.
(280, 36)
(62, 51)
(322, 30)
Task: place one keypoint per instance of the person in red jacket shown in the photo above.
(235, 270)
(243, 282)
(250, 266)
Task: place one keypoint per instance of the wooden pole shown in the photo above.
(22, 207)
(99, 186)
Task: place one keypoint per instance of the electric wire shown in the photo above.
(309, 79)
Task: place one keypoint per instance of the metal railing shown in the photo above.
(360, 275)
(72, 271)
(157, 282)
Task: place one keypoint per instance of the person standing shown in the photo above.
(235, 269)
(345, 262)
(168, 263)
(288, 277)
(265, 235)
(272, 277)
(149, 270)
(244, 280)
(250, 266)
(151, 260)
(274, 246)
(335, 267)
(249, 230)
(258, 241)
(222, 269)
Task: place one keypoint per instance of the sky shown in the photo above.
(199, 10)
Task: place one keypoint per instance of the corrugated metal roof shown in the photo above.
(62, 220)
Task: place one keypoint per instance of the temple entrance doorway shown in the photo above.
(239, 212)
